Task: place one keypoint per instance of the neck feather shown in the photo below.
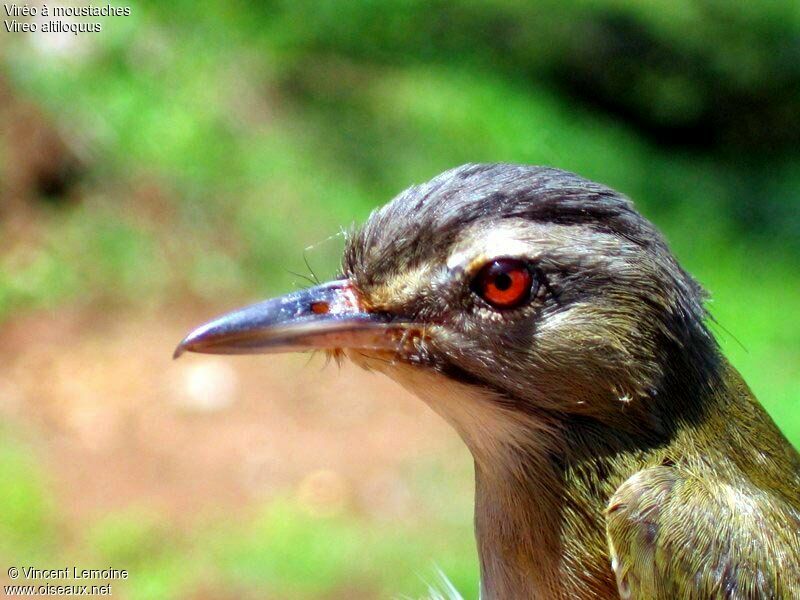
(543, 479)
(540, 507)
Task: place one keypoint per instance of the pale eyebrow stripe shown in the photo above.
(496, 244)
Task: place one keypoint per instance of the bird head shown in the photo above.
(498, 293)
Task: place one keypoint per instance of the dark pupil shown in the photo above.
(502, 282)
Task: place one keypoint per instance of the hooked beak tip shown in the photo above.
(195, 341)
(179, 350)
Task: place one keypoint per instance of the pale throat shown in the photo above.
(516, 488)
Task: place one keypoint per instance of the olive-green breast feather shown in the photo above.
(675, 534)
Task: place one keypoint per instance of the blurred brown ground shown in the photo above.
(120, 424)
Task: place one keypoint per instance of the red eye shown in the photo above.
(504, 283)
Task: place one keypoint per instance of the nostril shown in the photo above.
(320, 308)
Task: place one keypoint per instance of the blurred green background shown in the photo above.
(181, 160)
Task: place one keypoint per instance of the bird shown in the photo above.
(617, 453)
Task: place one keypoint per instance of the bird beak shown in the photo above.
(328, 316)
